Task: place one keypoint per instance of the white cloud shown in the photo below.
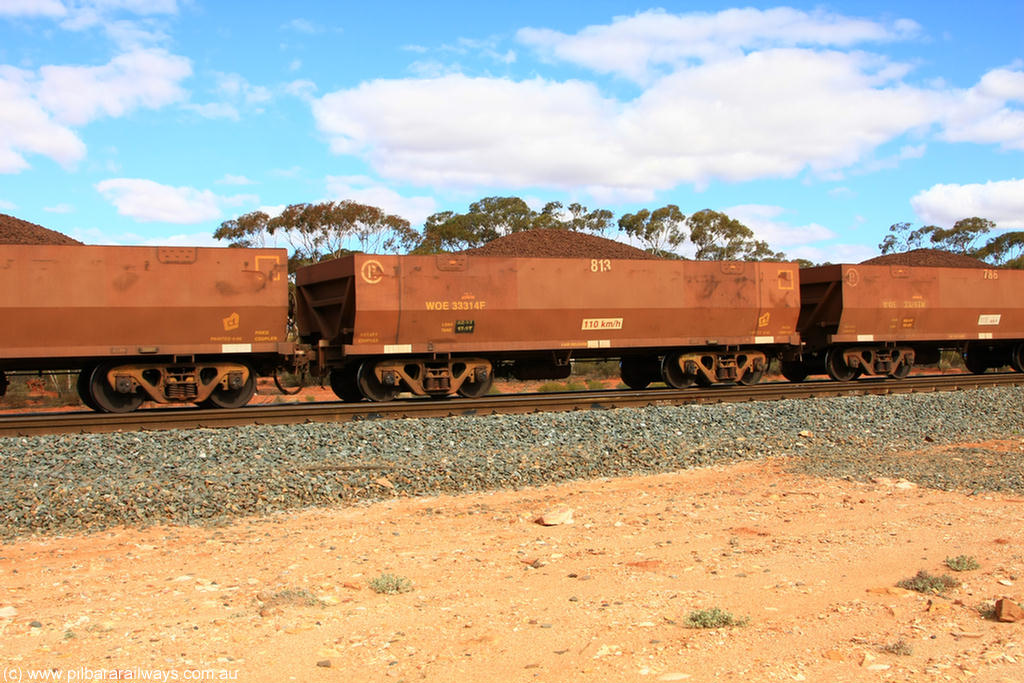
(143, 78)
(149, 201)
(985, 113)
(767, 114)
(274, 210)
(134, 35)
(27, 128)
(7, 205)
(144, 7)
(463, 131)
(303, 26)
(214, 110)
(195, 239)
(1001, 201)
(633, 46)
(59, 208)
(365, 191)
(833, 253)
(301, 88)
(97, 236)
(32, 8)
(236, 86)
(763, 220)
(734, 96)
(235, 93)
(230, 179)
(142, 28)
(39, 109)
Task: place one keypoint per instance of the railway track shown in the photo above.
(25, 424)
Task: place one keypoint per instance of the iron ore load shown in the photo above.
(197, 325)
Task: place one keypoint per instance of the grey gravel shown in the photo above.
(67, 483)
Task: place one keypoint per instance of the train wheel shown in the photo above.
(1017, 358)
(837, 368)
(975, 361)
(750, 377)
(371, 387)
(84, 393)
(794, 370)
(673, 374)
(344, 385)
(231, 398)
(105, 398)
(476, 389)
(901, 370)
(3, 383)
(637, 373)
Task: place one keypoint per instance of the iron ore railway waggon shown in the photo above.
(436, 325)
(165, 324)
(885, 319)
(197, 325)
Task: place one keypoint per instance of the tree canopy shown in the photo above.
(329, 229)
(493, 217)
(720, 238)
(659, 231)
(1005, 249)
(321, 231)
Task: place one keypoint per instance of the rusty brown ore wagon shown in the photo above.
(198, 324)
(436, 325)
(884, 319)
(168, 324)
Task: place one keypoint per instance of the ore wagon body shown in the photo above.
(883, 319)
(160, 323)
(446, 323)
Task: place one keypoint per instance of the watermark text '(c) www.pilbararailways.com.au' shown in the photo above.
(87, 674)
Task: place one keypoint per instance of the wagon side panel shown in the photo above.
(76, 302)
(460, 304)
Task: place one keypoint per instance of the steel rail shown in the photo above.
(28, 424)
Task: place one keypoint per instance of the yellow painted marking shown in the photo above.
(456, 305)
(372, 272)
(276, 261)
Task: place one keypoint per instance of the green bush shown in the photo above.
(555, 387)
(603, 369)
(962, 563)
(900, 647)
(924, 582)
(389, 583)
(292, 596)
(713, 618)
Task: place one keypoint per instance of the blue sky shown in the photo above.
(819, 126)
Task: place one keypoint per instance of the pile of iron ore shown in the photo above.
(927, 257)
(16, 231)
(552, 243)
